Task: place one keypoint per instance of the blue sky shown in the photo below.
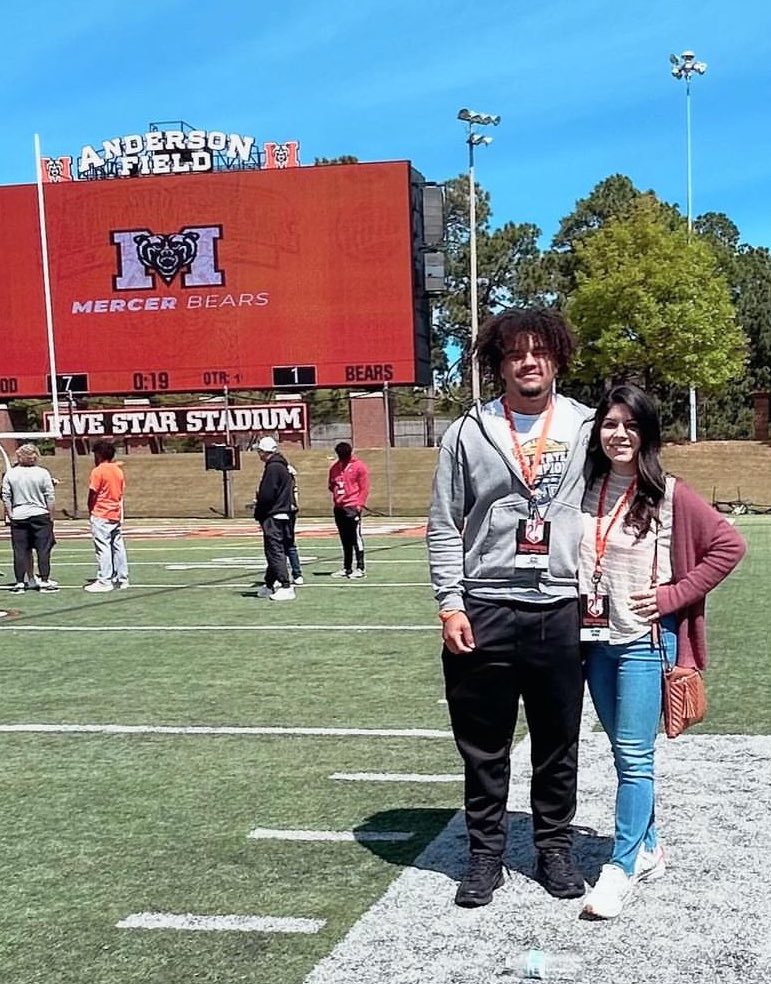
(583, 88)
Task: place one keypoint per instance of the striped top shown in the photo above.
(628, 562)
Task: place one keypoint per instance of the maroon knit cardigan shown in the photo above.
(705, 549)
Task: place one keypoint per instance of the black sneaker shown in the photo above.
(483, 876)
(556, 871)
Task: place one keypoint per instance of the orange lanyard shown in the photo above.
(529, 470)
(600, 540)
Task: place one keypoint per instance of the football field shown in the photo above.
(201, 785)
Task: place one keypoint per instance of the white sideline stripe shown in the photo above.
(163, 729)
(232, 586)
(221, 924)
(395, 777)
(265, 833)
(223, 628)
(238, 563)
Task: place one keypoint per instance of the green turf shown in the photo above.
(739, 629)
(94, 828)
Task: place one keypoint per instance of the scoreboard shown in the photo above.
(309, 276)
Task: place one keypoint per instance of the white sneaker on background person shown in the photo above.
(265, 592)
(19, 587)
(612, 892)
(97, 586)
(341, 573)
(357, 573)
(649, 865)
(299, 580)
(49, 585)
(121, 584)
(283, 594)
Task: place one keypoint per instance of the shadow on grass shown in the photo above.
(448, 854)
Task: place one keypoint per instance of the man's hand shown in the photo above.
(644, 604)
(457, 634)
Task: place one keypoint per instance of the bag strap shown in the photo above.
(656, 640)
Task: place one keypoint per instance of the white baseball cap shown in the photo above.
(267, 444)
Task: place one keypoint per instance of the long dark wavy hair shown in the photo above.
(650, 475)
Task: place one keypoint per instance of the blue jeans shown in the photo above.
(625, 684)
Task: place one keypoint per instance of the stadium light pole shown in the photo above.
(684, 67)
(474, 139)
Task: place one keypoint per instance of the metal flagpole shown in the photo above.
(47, 288)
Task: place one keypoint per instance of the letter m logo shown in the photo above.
(144, 255)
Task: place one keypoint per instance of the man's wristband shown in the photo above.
(448, 613)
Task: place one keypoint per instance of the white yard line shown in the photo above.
(190, 922)
(16, 627)
(396, 777)
(163, 729)
(362, 836)
(342, 583)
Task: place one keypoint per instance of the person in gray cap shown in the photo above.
(273, 510)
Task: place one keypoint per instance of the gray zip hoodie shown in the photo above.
(479, 497)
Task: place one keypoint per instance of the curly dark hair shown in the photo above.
(650, 475)
(500, 333)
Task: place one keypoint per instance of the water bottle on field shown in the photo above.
(542, 965)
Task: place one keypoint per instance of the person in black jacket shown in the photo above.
(272, 511)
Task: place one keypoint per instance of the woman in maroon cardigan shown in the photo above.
(652, 549)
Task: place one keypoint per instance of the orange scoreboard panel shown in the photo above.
(248, 279)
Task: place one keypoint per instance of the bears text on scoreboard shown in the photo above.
(309, 276)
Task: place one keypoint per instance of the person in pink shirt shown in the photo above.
(651, 551)
(349, 485)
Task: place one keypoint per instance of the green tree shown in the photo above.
(509, 270)
(609, 199)
(612, 198)
(651, 305)
(343, 159)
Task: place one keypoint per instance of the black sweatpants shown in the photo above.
(36, 532)
(530, 651)
(277, 541)
(348, 522)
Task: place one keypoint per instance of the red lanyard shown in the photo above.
(600, 540)
(529, 471)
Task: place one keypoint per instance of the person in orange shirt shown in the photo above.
(106, 486)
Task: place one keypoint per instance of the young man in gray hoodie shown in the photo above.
(503, 539)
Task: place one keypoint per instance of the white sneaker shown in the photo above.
(283, 594)
(121, 584)
(341, 573)
(49, 585)
(97, 586)
(357, 573)
(649, 865)
(613, 890)
(299, 580)
(19, 587)
(265, 592)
